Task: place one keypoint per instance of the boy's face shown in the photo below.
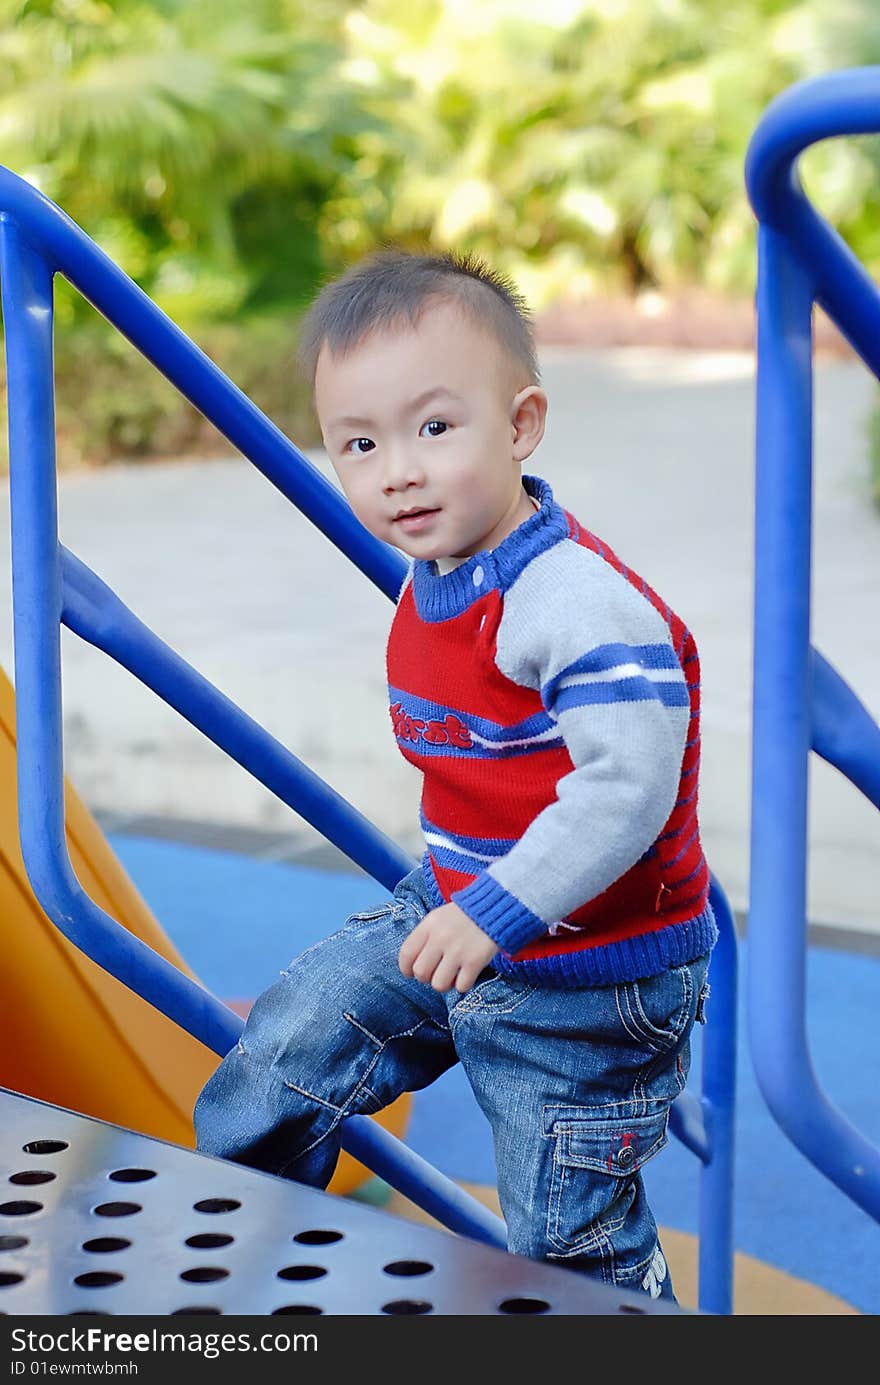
(427, 431)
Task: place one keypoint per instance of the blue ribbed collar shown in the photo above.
(439, 596)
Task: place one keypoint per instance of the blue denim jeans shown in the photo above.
(576, 1084)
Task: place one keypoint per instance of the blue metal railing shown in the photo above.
(800, 701)
(52, 587)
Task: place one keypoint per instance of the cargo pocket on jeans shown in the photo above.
(593, 1162)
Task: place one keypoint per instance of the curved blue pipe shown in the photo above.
(799, 700)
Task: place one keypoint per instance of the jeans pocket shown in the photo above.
(594, 1162)
(496, 995)
(657, 1010)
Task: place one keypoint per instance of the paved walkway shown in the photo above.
(652, 449)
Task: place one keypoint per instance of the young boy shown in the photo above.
(556, 937)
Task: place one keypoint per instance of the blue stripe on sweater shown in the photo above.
(500, 737)
(610, 656)
(487, 846)
(471, 855)
(447, 858)
(627, 690)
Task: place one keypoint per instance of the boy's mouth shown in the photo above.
(418, 517)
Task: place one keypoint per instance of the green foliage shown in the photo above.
(585, 147)
(230, 157)
(111, 403)
(163, 128)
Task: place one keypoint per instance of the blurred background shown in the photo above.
(231, 159)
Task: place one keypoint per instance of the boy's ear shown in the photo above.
(528, 418)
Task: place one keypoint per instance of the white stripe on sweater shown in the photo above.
(437, 839)
(620, 671)
(551, 733)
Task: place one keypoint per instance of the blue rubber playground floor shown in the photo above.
(238, 921)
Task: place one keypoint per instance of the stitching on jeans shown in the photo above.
(369, 1093)
(372, 1037)
(476, 1005)
(354, 1096)
(401, 1034)
(320, 1100)
(669, 1056)
(351, 923)
(342, 1111)
(674, 1032)
(618, 991)
(597, 1238)
(646, 1032)
(405, 1033)
(657, 1101)
(593, 1238)
(301, 1153)
(639, 1096)
(557, 1189)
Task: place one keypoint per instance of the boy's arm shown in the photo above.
(603, 660)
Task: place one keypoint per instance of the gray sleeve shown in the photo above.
(602, 658)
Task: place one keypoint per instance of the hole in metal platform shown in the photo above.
(302, 1272)
(45, 1146)
(13, 1242)
(131, 1175)
(98, 1279)
(408, 1305)
(408, 1267)
(117, 1209)
(629, 1308)
(295, 1308)
(318, 1238)
(195, 1312)
(103, 1245)
(8, 1277)
(210, 1240)
(524, 1305)
(19, 1209)
(204, 1274)
(32, 1176)
(217, 1204)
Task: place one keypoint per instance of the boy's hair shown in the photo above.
(391, 286)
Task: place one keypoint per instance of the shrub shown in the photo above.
(112, 404)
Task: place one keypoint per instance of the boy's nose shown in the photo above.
(402, 470)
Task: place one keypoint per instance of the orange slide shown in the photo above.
(75, 1036)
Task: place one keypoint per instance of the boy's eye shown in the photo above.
(359, 451)
(436, 423)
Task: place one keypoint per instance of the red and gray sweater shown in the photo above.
(552, 702)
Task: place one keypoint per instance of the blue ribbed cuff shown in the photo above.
(500, 914)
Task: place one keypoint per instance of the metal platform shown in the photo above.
(95, 1219)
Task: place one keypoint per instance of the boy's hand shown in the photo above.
(446, 949)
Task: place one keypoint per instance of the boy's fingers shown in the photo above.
(444, 975)
(426, 963)
(409, 951)
(465, 979)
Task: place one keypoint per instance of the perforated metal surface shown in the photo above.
(96, 1219)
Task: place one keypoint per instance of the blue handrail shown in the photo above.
(52, 587)
(800, 702)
